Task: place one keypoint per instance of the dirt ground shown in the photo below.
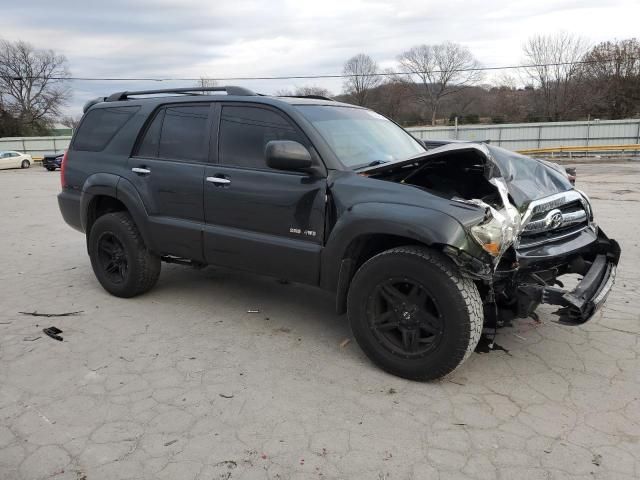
(185, 383)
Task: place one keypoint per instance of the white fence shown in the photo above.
(514, 136)
(35, 146)
(520, 136)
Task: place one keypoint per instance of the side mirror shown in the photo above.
(287, 155)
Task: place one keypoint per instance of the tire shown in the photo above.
(51, 169)
(119, 257)
(25, 164)
(413, 313)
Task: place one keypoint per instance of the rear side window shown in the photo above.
(245, 131)
(100, 126)
(178, 133)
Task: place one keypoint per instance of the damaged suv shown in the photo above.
(422, 248)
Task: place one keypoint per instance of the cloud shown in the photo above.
(187, 38)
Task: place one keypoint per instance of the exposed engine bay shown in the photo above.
(536, 228)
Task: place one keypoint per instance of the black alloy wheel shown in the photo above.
(113, 258)
(405, 318)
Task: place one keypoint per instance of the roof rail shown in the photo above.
(315, 97)
(231, 90)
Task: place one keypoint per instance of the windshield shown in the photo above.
(360, 137)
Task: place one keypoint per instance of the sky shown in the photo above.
(240, 38)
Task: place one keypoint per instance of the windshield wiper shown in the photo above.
(371, 164)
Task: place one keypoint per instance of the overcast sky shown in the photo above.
(185, 38)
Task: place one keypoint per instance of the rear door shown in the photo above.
(260, 219)
(167, 169)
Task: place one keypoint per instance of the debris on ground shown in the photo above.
(32, 338)
(392, 391)
(5, 323)
(459, 381)
(53, 332)
(49, 315)
(225, 396)
(597, 459)
(486, 345)
(345, 342)
(170, 443)
(253, 311)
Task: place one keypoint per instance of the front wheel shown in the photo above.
(413, 313)
(25, 164)
(119, 257)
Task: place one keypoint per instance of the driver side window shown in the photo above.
(245, 132)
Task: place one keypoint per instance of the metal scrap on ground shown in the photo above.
(49, 315)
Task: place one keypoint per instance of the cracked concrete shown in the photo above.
(183, 383)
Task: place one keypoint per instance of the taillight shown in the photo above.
(63, 182)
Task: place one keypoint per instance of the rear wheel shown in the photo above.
(119, 257)
(51, 169)
(413, 313)
(25, 164)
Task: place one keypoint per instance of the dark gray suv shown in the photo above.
(422, 248)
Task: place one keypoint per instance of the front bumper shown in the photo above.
(580, 304)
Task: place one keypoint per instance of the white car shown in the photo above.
(12, 159)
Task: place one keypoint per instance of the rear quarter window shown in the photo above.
(100, 126)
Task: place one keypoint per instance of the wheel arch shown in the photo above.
(106, 193)
(362, 233)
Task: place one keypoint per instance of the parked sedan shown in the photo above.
(51, 161)
(12, 159)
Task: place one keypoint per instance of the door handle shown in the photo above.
(219, 180)
(141, 171)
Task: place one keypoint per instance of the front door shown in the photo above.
(168, 169)
(257, 218)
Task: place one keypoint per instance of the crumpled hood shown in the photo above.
(526, 178)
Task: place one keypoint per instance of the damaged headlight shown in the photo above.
(500, 228)
(496, 232)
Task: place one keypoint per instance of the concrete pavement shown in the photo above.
(184, 383)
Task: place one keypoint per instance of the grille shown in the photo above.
(554, 219)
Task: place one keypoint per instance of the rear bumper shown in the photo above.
(69, 203)
(580, 304)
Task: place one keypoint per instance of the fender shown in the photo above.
(111, 185)
(130, 197)
(423, 225)
(96, 184)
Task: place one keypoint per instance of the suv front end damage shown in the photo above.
(536, 228)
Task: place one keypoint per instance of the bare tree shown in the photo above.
(71, 122)
(304, 91)
(553, 67)
(390, 96)
(612, 74)
(441, 70)
(361, 77)
(33, 87)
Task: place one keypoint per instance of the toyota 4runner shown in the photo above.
(422, 248)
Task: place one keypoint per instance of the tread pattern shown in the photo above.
(147, 264)
(468, 292)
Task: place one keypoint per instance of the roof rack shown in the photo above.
(315, 97)
(231, 90)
